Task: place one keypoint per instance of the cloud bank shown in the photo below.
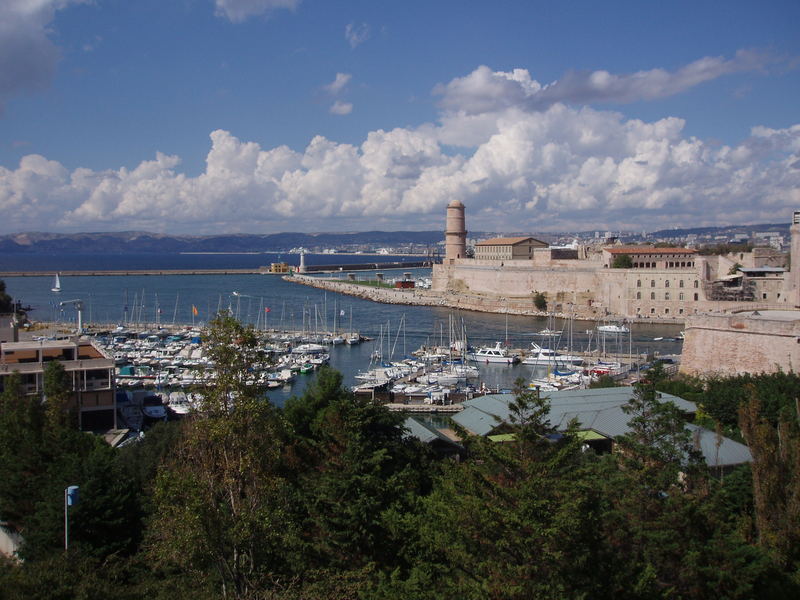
(27, 57)
(522, 168)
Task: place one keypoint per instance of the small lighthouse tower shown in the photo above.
(794, 257)
(455, 235)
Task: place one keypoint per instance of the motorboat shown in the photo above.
(498, 354)
(612, 329)
(545, 356)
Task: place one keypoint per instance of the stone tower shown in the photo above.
(794, 257)
(455, 234)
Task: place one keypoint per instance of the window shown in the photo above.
(666, 311)
(680, 283)
(764, 296)
(638, 295)
(652, 311)
(666, 296)
(652, 283)
(680, 296)
(638, 283)
(666, 283)
(696, 284)
(652, 295)
(680, 311)
(695, 297)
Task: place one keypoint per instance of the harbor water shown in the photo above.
(270, 302)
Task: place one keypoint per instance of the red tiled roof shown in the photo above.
(648, 250)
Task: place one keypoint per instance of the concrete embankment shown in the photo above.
(461, 300)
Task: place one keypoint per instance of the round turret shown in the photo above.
(455, 234)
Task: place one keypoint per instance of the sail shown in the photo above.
(56, 284)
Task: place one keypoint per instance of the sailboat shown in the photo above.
(56, 284)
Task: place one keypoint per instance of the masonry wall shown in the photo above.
(735, 344)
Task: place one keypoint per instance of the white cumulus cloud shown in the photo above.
(485, 90)
(356, 33)
(237, 11)
(341, 108)
(559, 167)
(336, 86)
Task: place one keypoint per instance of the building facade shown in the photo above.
(91, 374)
(656, 283)
(512, 248)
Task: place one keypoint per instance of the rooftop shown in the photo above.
(600, 411)
(507, 241)
(648, 250)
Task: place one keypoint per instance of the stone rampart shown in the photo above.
(730, 344)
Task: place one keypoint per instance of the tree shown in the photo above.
(540, 301)
(6, 303)
(622, 261)
(776, 480)
(223, 503)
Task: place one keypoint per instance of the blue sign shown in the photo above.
(72, 495)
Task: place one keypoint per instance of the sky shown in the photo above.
(263, 116)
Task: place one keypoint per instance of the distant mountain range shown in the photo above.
(129, 242)
(142, 242)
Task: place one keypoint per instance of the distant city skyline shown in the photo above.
(262, 116)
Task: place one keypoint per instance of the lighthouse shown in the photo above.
(455, 235)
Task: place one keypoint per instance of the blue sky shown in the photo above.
(273, 115)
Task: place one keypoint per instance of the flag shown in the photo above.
(267, 309)
(341, 313)
(195, 312)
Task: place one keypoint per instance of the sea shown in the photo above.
(269, 301)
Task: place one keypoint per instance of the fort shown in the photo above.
(627, 282)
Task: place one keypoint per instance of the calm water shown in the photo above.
(168, 299)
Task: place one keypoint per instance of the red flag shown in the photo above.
(194, 310)
(267, 309)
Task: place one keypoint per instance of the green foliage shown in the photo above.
(622, 261)
(720, 249)
(776, 393)
(734, 268)
(604, 381)
(540, 301)
(6, 304)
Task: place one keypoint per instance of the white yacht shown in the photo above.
(612, 328)
(498, 354)
(548, 357)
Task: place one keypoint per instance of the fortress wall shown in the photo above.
(735, 344)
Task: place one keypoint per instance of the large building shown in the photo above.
(510, 248)
(91, 373)
(624, 281)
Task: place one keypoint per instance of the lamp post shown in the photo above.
(70, 499)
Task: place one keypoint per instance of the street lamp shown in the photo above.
(70, 499)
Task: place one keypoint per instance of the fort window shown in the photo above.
(666, 311)
(638, 295)
(764, 296)
(638, 283)
(666, 283)
(680, 296)
(666, 296)
(680, 283)
(652, 295)
(695, 297)
(696, 283)
(680, 311)
(652, 283)
(652, 311)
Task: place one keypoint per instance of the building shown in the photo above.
(455, 236)
(755, 341)
(510, 248)
(600, 419)
(588, 281)
(90, 370)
